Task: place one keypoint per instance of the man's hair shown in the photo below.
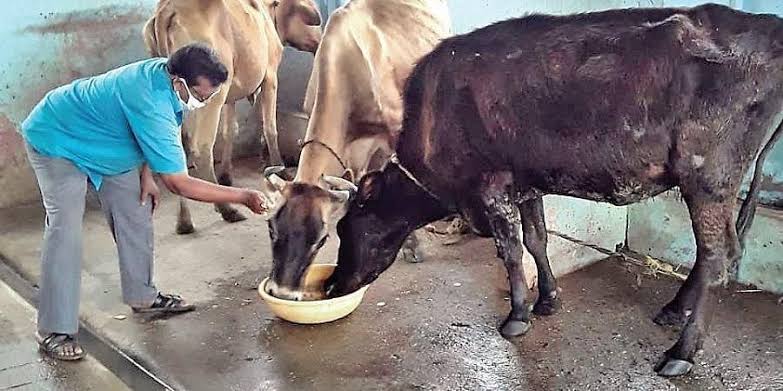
(194, 60)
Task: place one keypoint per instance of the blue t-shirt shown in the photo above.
(112, 123)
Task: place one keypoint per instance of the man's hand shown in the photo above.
(255, 201)
(149, 189)
(199, 190)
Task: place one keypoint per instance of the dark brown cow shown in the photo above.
(616, 106)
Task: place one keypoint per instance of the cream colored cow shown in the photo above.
(355, 92)
(354, 99)
(249, 36)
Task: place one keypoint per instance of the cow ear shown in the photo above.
(348, 175)
(272, 186)
(338, 206)
(370, 187)
(310, 14)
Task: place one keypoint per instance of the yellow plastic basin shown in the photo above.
(313, 311)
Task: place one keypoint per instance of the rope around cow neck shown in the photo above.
(396, 161)
(328, 148)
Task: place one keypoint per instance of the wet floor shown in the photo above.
(428, 326)
(432, 335)
(22, 368)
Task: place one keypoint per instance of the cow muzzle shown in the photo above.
(283, 292)
(286, 293)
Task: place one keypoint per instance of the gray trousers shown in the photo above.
(63, 189)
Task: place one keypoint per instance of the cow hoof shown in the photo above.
(185, 228)
(514, 328)
(672, 367)
(233, 216)
(547, 306)
(458, 227)
(411, 257)
(669, 317)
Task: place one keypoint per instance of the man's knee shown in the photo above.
(137, 216)
(64, 215)
(125, 211)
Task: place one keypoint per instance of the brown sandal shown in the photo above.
(167, 303)
(60, 346)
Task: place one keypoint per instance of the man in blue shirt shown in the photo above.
(115, 130)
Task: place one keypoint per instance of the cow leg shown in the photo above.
(509, 246)
(410, 249)
(504, 220)
(184, 221)
(266, 109)
(206, 123)
(458, 226)
(676, 312)
(717, 246)
(228, 130)
(535, 240)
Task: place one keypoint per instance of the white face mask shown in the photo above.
(193, 103)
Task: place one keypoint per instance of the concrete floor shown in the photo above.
(23, 369)
(436, 331)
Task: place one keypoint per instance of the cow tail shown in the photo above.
(748, 208)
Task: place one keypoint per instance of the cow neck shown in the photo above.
(315, 160)
(322, 144)
(393, 159)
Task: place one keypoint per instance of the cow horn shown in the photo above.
(277, 182)
(273, 170)
(271, 185)
(340, 184)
